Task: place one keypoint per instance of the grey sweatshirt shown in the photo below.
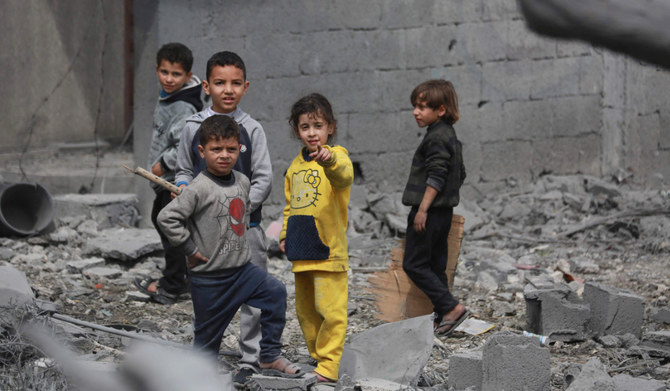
(261, 165)
(210, 216)
(170, 117)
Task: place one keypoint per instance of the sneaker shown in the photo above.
(243, 376)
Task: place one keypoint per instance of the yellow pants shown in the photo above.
(321, 305)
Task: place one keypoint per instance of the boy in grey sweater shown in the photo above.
(208, 221)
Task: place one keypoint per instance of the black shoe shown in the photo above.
(243, 376)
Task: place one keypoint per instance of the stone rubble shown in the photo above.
(555, 240)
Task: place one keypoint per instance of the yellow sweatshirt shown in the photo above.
(315, 216)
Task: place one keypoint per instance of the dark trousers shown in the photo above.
(217, 299)
(425, 260)
(174, 274)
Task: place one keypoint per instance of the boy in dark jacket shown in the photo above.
(432, 191)
(179, 98)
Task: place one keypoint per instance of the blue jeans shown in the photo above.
(217, 299)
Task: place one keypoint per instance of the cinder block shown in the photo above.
(555, 77)
(302, 383)
(563, 155)
(513, 362)
(557, 313)
(483, 41)
(661, 315)
(465, 370)
(613, 311)
(657, 343)
(628, 383)
(507, 158)
(523, 44)
(495, 88)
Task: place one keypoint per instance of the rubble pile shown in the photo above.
(581, 260)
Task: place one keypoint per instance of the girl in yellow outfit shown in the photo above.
(317, 187)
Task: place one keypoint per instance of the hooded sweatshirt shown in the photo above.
(170, 116)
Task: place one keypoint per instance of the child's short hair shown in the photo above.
(315, 104)
(434, 93)
(222, 59)
(218, 126)
(176, 53)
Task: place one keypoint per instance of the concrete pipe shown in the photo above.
(25, 209)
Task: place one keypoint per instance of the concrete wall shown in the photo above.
(63, 61)
(529, 105)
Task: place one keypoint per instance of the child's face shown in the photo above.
(425, 116)
(172, 76)
(226, 86)
(313, 130)
(220, 154)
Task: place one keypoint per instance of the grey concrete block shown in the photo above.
(83, 264)
(496, 89)
(302, 383)
(593, 377)
(514, 362)
(555, 77)
(562, 155)
(124, 244)
(660, 315)
(106, 209)
(523, 44)
(657, 343)
(483, 41)
(369, 355)
(613, 311)
(14, 287)
(465, 370)
(557, 313)
(136, 296)
(508, 159)
(628, 383)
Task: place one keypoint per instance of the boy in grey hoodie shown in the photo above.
(226, 83)
(208, 222)
(179, 98)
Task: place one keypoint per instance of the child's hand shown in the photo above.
(282, 246)
(195, 259)
(321, 154)
(157, 169)
(173, 195)
(420, 221)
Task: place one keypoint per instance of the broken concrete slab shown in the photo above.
(515, 362)
(106, 209)
(465, 370)
(629, 383)
(14, 287)
(275, 383)
(593, 377)
(82, 264)
(370, 355)
(125, 244)
(557, 313)
(613, 311)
